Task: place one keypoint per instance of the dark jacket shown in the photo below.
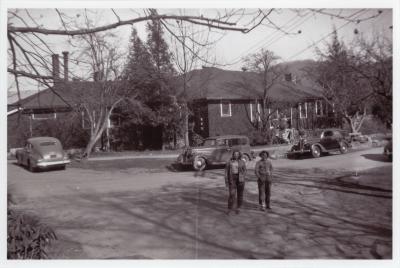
(242, 171)
(263, 169)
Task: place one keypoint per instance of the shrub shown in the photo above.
(27, 237)
(373, 125)
(258, 137)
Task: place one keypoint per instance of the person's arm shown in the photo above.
(227, 174)
(256, 169)
(244, 167)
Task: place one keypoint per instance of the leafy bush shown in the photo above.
(372, 126)
(260, 137)
(27, 238)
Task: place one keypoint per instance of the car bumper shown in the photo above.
(53, 163)
(298, 152)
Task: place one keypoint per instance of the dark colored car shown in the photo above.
(215, 151)
(41, 153)
(330, 140)
(387, 150)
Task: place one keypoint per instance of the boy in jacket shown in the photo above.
(263, 170)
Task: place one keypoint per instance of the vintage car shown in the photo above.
(41, 153)
(215, 151)
(330, 140)
(387, 150)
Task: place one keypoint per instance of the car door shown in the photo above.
(327, 139)
(225, 150)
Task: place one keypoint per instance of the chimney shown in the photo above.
(66, 70)
(56, 67)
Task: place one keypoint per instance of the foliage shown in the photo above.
(27, 237)
(67, 128)
(149, 70)
(340, 85)
(258, 137)
(268, 73)
(373, 125)
(374, 62)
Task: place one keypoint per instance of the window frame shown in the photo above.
(54, 116)
(222, 103)
(301, 115)
(321, 108)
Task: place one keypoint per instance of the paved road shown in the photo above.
(322, 208)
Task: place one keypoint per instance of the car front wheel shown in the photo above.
(343, 148)
(315, 151)
(199, 163)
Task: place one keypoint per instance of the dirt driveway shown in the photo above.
(332, 207)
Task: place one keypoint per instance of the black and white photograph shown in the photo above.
(204, 132)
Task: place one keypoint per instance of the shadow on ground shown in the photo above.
(376, 157)
(315, 215)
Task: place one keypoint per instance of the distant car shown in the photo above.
(41, 153)
(215, 151)
(330, 140)
(387, 150)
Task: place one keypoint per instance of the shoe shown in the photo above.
(268, 207)
(262, 208)
(237, 211)
(228, 212)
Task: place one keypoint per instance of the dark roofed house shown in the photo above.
(225, 102)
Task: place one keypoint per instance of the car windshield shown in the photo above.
(48, 143)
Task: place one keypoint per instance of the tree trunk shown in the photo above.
(186, 125)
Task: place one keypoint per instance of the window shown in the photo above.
(226, 109)
(319, 111)
(255, 109)
(209, 142)
(327, 133)
(222, 142)
(251, 113)
(48, 143)
(44, 116)
(303, 110)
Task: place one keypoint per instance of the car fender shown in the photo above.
(323, 149)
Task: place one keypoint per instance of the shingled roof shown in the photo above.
(216, 84)
(62, 96)
(207, 83)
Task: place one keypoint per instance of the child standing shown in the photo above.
(263, 170)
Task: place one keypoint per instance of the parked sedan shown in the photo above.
(41, 153)
(331, 140)
(215, 151)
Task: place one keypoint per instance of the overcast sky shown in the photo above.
(232, 46)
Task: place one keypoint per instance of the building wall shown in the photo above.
(237, 123)
(311, 120)
(200, 118)
(63, 125)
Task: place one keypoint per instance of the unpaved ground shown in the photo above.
(322, 208)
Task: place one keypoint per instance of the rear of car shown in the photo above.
(43, 153)
(52, 154)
